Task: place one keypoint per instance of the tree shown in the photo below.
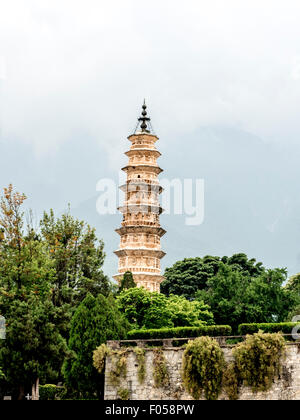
(293, 284)
(32, 342)
(33, 348)
(186, 313)
(237, 298)
(144, 309)
(78, 258)
(187, 277)
(127, 281)
(95, 321)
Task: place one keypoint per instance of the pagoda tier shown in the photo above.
(140, 249)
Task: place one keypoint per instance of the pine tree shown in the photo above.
(95, 321)
(127, 281)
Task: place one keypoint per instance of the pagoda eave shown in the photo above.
(141, 208)
(140, 252)
(133, 186)
(134, 152)
(133, 136)
(141, 229)
(149, 168)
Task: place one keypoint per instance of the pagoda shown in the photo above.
(140, 249)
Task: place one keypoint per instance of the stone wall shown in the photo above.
(286, 388)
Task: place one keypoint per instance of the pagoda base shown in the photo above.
(149, 281)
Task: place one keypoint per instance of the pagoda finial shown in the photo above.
(144, 119)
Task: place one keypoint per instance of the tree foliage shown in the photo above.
(33, 347)
(235, 298)
(78, 257)
(187, 277)
(95, 321)
(127, 281)
(43, 276)
(144, 309)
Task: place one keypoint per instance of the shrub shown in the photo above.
(49, 392)
(181, 332)
(284, 327)
(203, 366)
(258, 360)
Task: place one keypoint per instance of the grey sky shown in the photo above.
(73, 75)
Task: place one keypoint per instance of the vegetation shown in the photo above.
(60, 309)
(95, 321)
(258, 360)
(144, 309)
(119, 367)
(236, 298)
(190, 275)
(203, 365)
(124, 394)
(141, 359)
(99, 357)
(127, 281)
(231, 381)
(160, 370)
(181, 332)
(283, 327)
(51, 392)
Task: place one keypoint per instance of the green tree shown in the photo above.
(33, 348)
(186, 313)
(237, 298)
(26, 276)
(293, 285)
(95, 321)
(144, 309)
(78, 258)
(127, 281)
(187, 277)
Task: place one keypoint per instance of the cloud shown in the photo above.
(86, 66)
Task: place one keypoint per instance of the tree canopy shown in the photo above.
(187, 277)
(236, 298)
(96, 320)
(144, 309)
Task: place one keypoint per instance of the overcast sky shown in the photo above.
(73, 75)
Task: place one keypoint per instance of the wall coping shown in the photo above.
(168, 342)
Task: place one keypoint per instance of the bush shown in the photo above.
(50, 392)
(284, 327)
(180, 332)
(203, 365)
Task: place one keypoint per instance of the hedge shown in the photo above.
(50, 392)
(180, 332)
(284, 327)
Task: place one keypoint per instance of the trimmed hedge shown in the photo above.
(283, 327)
(48, 392)
(180, 332)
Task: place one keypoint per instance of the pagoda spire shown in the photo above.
(144, 122)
